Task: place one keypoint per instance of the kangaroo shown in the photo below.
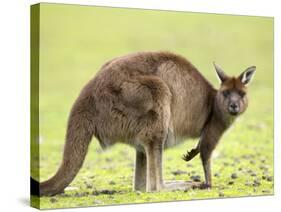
(150, 101)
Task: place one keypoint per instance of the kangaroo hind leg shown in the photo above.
(153, 125)
(140, 171)
(154, 152)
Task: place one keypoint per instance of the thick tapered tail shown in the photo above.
(78, 136)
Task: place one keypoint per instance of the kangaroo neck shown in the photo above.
(222, 118)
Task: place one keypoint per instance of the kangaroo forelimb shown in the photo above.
(190, 155)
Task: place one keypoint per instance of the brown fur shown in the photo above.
(151, 101)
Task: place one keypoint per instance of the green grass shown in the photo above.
(77, 40)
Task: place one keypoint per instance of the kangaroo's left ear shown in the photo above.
(247, 75)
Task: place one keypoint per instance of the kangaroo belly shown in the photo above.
(190, 105)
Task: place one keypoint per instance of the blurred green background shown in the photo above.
(75, 41)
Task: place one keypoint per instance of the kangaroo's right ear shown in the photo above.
(220, 73)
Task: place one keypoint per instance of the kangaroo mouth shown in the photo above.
(233, 113)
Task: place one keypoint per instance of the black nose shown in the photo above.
(233, 108)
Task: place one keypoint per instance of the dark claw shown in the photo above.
(189, 155)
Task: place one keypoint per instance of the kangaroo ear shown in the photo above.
(247, 75)
(220, 73)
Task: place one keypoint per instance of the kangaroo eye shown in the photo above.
(241, 93)
(226, 93)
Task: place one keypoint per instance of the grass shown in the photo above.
(77, 40)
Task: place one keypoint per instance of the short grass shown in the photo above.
(77, 40)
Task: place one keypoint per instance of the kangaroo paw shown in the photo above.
(202, 186)
(190, 155)
(205, 186)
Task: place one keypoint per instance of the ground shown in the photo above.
(76, 41)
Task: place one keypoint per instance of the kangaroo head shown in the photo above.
(231, 97)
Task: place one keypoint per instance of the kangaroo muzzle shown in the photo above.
(233, 108)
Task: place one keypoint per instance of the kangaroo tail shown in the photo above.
(78, 136)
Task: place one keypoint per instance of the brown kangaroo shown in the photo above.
(151, 101)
